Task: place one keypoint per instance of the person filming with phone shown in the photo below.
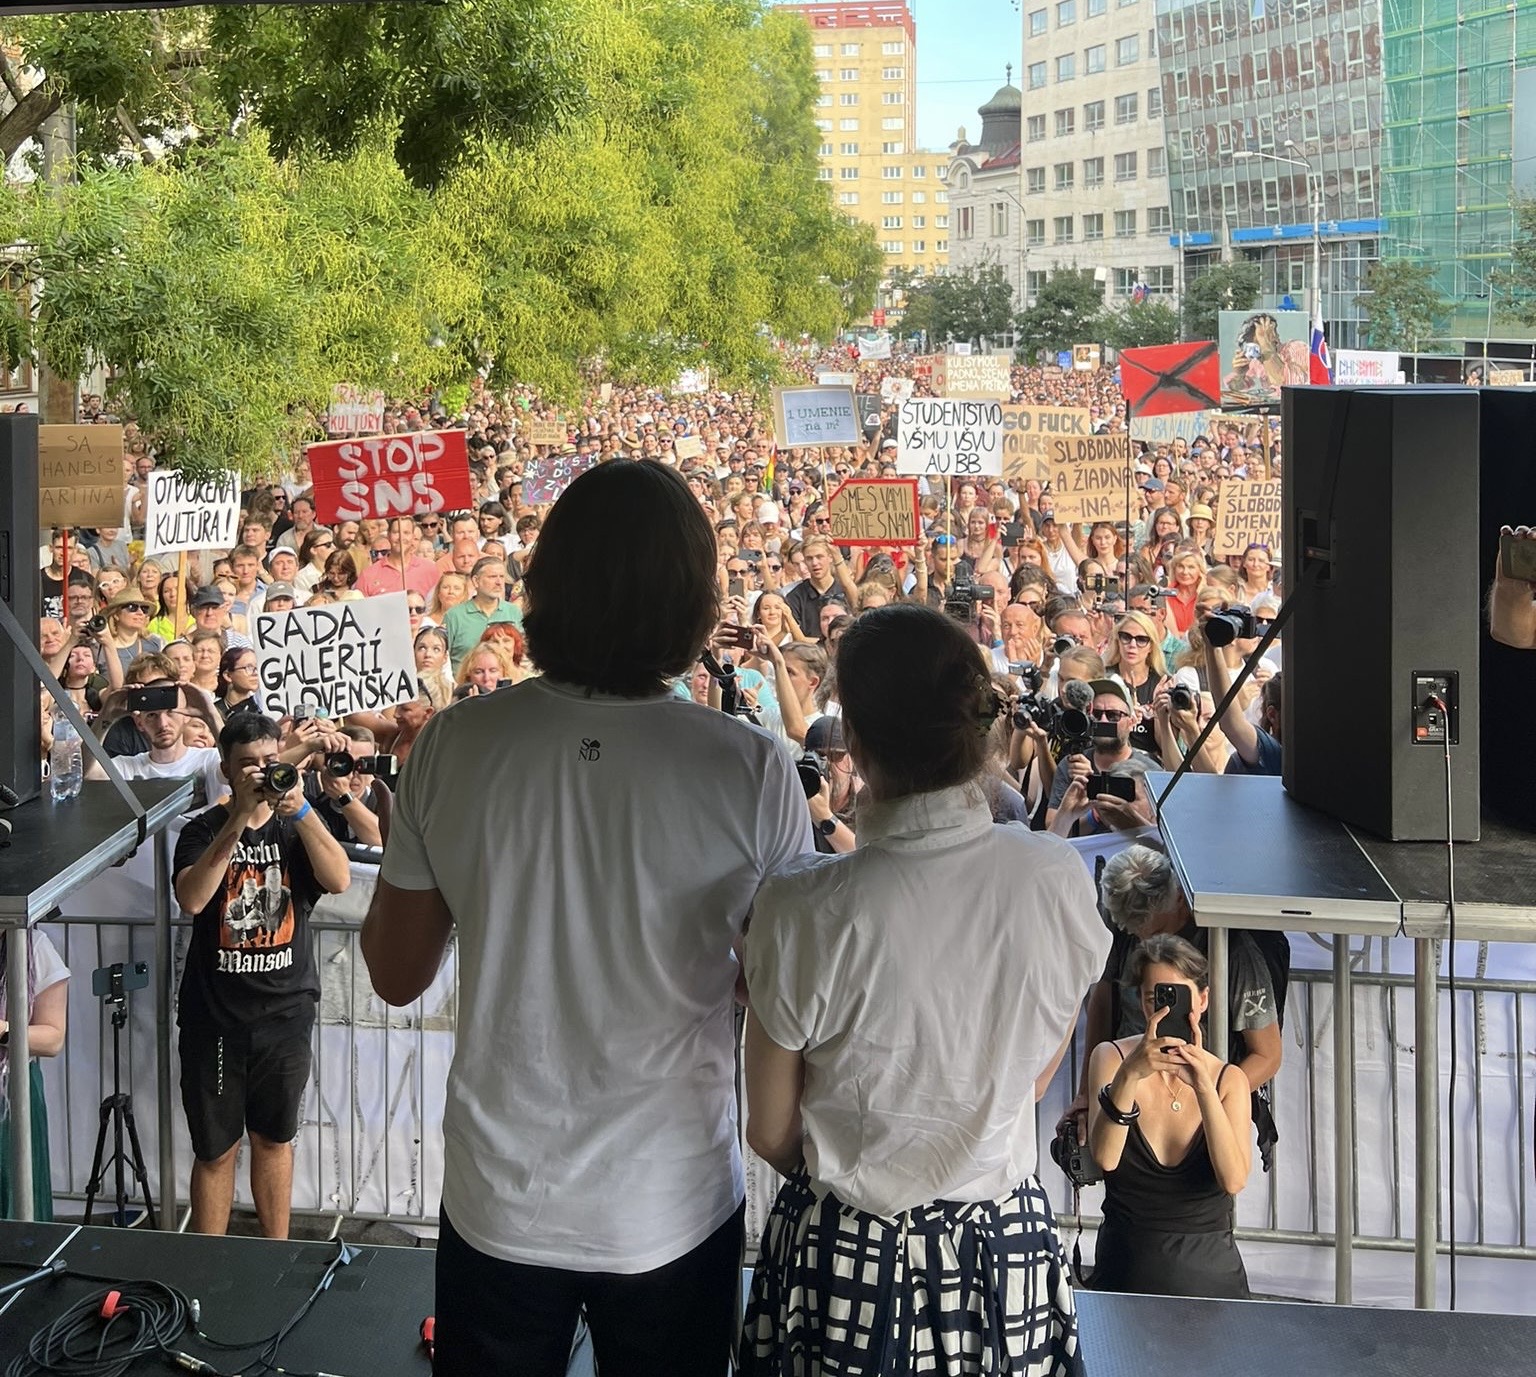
(1098, 788)
(1170, 1128)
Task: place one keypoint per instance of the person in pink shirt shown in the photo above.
(401, 568)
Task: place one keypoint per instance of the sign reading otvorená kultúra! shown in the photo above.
(189, 513)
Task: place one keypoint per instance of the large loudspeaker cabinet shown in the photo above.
(1386, 481)
(21, 744)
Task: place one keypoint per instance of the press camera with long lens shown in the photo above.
(962, 595)
(1235, 624)
(340, 764)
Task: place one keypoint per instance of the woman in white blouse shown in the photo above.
(910, 1002)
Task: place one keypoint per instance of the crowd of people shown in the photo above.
(1008, 668)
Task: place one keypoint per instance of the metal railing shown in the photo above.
(370, 1145)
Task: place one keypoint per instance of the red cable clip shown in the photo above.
(113, 1305)
(428, 1333)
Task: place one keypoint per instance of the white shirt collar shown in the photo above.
(926, 822)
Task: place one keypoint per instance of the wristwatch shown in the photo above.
(827, 826)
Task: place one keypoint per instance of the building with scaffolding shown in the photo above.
(1460, 131)
(1273, 111)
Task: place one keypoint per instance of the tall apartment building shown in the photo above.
(1271, 106)
(1095, 183)
(866, 61)
(1460, 139)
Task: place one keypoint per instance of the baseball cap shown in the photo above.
(1112, 686)
(1152, 485)
(208, 596)
(767, 514)
(279, 590)
(825, 734)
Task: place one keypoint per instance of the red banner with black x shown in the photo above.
(1171, 378)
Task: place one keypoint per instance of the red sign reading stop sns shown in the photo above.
(390, 475)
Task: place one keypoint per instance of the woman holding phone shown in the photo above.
(910, 1002)
(1172, 1131)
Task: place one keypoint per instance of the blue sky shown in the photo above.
(962, 47)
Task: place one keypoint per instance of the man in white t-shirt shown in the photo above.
(593, 844)
(169, 756)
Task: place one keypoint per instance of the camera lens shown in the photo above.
(1182, 698)
(812, 772)
(280, 777)
(339, 764)
(96, 625)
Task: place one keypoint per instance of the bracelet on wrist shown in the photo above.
(303, 812)
(1114, 1113)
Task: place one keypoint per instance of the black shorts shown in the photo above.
(252, 1078)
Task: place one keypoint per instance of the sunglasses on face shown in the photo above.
(1131, 638)
(135, 607)
(378, 554)
(1108, 715)
(416, 607)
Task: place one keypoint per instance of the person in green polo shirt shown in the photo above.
(466, 623)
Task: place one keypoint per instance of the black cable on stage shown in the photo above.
(147, 1319)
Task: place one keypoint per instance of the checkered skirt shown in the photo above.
(956, 1289)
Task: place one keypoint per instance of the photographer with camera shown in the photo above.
(827, 767)
(249, 872)
(346, 791)
(1170, 1129)
(892, 1065)
(1255, 748)
(1098, 785)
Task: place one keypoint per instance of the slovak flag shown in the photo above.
(1322, 360)
(1139, 292)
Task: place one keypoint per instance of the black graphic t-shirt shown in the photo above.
(250, 957)
(52, 592)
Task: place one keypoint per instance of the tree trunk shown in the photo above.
(26, 117)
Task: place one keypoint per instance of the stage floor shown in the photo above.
(367, 1323)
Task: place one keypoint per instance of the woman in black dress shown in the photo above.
(1172, 1132)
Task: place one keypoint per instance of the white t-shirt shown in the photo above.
(599, 856)
(928, 978)
(47, 964)
(200, 763)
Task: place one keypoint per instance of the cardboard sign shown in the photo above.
(340, 657)
(875, 511)
(896, 389)
(946, 436)
(1091, 478)
(805, 416)
(390, 475)
(354, 412)
(972, 375)
(1248, 512)
(186, 513)
(688, 447)
(547, 432)
(605, 392)
(545, 479)
(1188, 426)
(837, 380)
(1507, 377)
(1171, 377)
(1027, 435)
(1087, 358)
(80, 476)
(1365, 367)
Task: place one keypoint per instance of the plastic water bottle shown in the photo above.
(65, 766)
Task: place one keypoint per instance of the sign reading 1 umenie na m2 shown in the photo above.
(810, 416)
(948, 437)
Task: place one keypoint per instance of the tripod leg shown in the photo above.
(139, 1169)
(119, 1104)
(98, 1169)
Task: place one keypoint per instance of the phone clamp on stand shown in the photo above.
(113, 984)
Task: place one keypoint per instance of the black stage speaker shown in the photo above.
(21, 741)
(1382, 483)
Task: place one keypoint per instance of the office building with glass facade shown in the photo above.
(1460, 143)
(1273, 110)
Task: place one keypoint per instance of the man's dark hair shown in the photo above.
(78, 578)
(1057, 608)
(244, 728)
(626, 623)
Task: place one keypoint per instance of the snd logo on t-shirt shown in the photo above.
(591, 749)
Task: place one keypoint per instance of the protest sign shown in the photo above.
(1171, 377)
(1064, 359)
(605, 392)
(80, 476)
(1248, 512)
(1087, 358)
(837, 380)
(972, 375)
(815, 416)
(547, 432)
(1364, 367)
(1188, 426)
(874, 347)
(544, 479)
(942, 436)
(1506, 377)
(1027, 435)
(1091, 478)
(390, 475)
(339, 658)
(353, 411)
(1261, 352)
(688, 447)
(896, 389)
(875, 511)
(871, 411)
(187, 513)
(692, 381)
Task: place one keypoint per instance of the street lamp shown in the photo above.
(1315, 195)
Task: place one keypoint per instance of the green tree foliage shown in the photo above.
(966, 305)
(1401, 304)
(1222, 287)
(1140, 324)
(1068, 310)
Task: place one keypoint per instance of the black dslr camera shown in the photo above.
(813, 771)
(1073, 1157)
(962, 595)
(1182, 698)
(1235, 624)
(340, 764)
(279, 777)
